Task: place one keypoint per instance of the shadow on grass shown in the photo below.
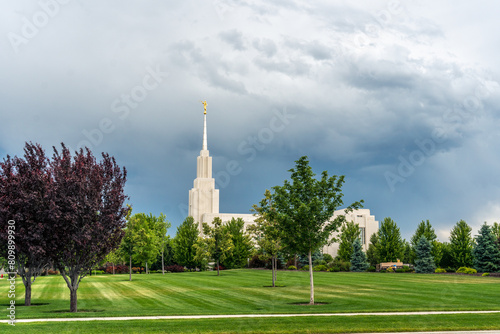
(307, 304)
(79, 311)
(32, 304)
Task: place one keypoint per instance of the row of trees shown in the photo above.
(67, 212)
(462, 250)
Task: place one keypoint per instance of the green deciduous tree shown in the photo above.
(358, 257)
(183, 243)
(216, 243)
(349, 232)
(486, 253)
(266, 231)
(305, 207)
(496, 230)
(242, 245)
(424, 261)
(390, 247)
(461, 245)
(148, 241)
(372, 252)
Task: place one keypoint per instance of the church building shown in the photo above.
(204, 201)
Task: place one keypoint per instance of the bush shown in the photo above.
(383, 270)
(465, 270)
(257, 262)
(306, 267)
(175, 268)
(440, 270)
(408, 269)
(334, 269)
(371, 269)
(327, 258)
(292, 268)
(400, 270)
(98, 272)
(119, 269)
(485, 274)
(320, 267)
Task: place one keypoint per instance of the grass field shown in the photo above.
(247, 291)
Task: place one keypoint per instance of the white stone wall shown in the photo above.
(364, 220)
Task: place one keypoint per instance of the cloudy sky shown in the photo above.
(401, 98)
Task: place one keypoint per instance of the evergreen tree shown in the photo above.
(461, 245)
(424, 262)
(425, 228)
(348, 234)
(358, 257)
(486, 253)
(390, 246)
(372, 252)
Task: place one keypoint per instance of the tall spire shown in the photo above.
(204, 126)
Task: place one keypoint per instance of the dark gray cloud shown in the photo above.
(364, 89)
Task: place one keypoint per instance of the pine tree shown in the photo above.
(358, 257)
(486, 253)
(424, 261)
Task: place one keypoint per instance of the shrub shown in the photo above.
(306, 267)
(327, 258)
(400, 270)
(383, 270)
(257, 262)
(320, 267)
(334, 269)
(485, 274)
(440, 270)
(175, 268)
(98, 272)
(465, 270)
(292, 268)
(119, 269)
(371, 269)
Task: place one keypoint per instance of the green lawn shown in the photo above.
(246, 291)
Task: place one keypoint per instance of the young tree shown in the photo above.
(358, 257)
(242, 245)
(486, 253)
(25, 198)
(216, 243)
(148, 240)
(266, 232)
(425, 228)
(390, 247)
(305, 207)
(424, 262)
(461, 245)
(496, 230)
(183, 243)
(113, 258)
(88, 215)
(161, 227)
(372, 252)
(348, 234)
(127, 246)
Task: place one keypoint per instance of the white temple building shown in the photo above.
(203, 197)
(204, 201)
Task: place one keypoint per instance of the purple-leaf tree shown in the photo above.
(88, 213)
(25, 201)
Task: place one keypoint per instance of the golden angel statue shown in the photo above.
(204, 106)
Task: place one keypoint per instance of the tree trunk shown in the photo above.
(295, 258)
(273, 269)
(113, 268)
(311, 301)
(162, 264)
(73, 301)
(147, 272)
(130, 269)
(218, 268)
(27, 293)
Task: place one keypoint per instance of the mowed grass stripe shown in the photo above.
(247, 291)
